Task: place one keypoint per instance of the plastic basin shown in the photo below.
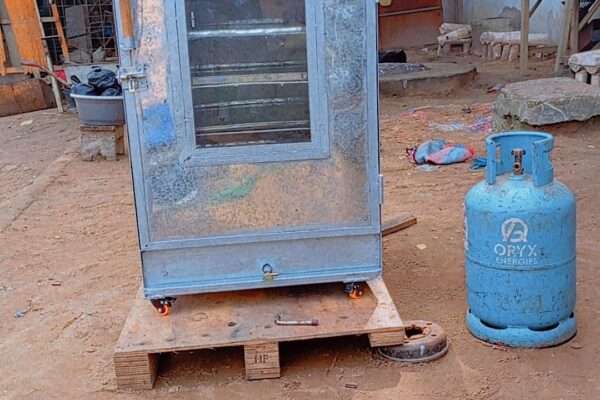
(100, 110)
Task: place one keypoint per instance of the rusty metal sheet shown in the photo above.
(25, 96)
(410, 28)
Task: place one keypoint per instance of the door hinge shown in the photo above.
(133, 78)
(380, 184)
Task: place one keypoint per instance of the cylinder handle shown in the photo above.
(522, 153)
(518, 164)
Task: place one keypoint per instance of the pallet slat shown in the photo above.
(262, 361)
(136, 370)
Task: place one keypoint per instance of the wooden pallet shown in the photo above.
(247, 319)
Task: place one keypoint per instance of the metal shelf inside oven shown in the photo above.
(247, 32)
(249, 82)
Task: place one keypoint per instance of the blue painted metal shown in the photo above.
(520, 247)
(210, 219)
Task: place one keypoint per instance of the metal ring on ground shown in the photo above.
(425, 341)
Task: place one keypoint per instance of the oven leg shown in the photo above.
(355, 290)
(163, 305)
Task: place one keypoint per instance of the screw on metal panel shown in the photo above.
(518, 164)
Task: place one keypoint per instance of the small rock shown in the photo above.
(174, 389)
(27, 122)
(9, 168)
(421, 246)
(20, 313)
(351, 385)
(496, 88)
(428, 168)
(542, 101)
(576, 346)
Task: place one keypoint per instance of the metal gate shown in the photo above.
(254, 142)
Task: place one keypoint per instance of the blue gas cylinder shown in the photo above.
(520, 246)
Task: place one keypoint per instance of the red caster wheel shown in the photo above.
(163, 306)
(354, 290)
(164, 310)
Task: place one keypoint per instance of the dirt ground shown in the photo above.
(70, 269)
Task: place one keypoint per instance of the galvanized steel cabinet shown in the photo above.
(253, 129)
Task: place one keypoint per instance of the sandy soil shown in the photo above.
(70, 267)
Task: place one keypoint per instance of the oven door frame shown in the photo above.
(317, 148)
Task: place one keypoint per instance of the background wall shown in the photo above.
(547, 19)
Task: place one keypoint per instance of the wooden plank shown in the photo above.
(574, 32)
(387, 338)
(14, 70)
(55, 88)
(262, 361)
(3, 54)
(398, 223)
(126, 19)
(25, 25)
(524, 57)
(247, 318)
(384, 317)
(135, 371)
(564, 37)
(588, 17)
(98, 128)
(61, 33)
(534, 8)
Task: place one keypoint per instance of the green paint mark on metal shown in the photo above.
(236, 192)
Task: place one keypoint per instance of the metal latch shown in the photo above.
(133, 78)
(268, 273)
(380, 188)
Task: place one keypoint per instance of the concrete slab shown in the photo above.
(400, 79)
(544, 102)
